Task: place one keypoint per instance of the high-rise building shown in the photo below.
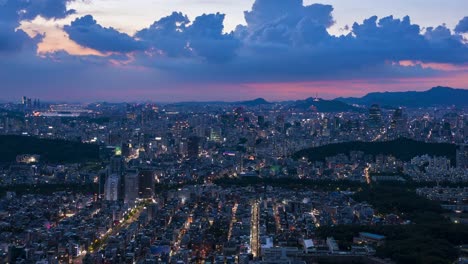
(126, 148)
(261, 120)
(193, 147)
(146, 184)
(215, 134)
(375, 116)
(116, 165)
(131, 187)
(399, 122)
(112, 187)
(102, 178)
(465, 131)
(181, 147)
(462, 157)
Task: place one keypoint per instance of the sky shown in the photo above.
(204, 50)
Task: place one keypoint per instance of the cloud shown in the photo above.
(462, 26)
(282, 37)
(86, 32)
(167, 35)
(46, 8)
(207, 40)
(396, 39)
(13, 11)
(286, 22)
(12, 40)
(16, 10)
(204, 38)
(265, 12)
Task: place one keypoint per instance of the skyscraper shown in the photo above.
(111, 191)
(462, 157)
(193, 147)
(399, 122)
(146, 184)
(375, 116)
(116, 165)
(215, 134)
(131, 187)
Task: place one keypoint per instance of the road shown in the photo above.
(233, 219)
(254, 232)
(367, 175)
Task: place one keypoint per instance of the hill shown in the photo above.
(249, 103)
(437, 96)
(54, 151)
(402, 148)
(253, 103)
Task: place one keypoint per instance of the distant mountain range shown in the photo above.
(321, 105)
(437, 96)
(312, 104)
(249, 103)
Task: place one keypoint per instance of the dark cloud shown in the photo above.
(462, 26)
(16, 10)
(86, 32)
(12, 40)
(282, 37)
(167, 35)
(13, 11)
(46, 8)
(387, 39)
(286, 22)
(286, 41)
(207, 40)
(284, 47)
(204, 38)
(265, 12)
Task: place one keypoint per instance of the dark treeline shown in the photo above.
(402, 148)
(47, 189)
(54, 151)
(326, 185)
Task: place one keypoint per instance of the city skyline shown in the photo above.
(278, 50)
(233, 132)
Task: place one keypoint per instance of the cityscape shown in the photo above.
(233, 132)
(242, 182)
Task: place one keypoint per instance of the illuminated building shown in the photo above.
(375, 116)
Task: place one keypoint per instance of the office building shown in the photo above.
(146, 184)
(112, 187)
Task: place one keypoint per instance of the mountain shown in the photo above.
(256, 102)
(321, 105)
(437, 96)
(250, 103)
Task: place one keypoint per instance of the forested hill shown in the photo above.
(402, 148)
(54, 151)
